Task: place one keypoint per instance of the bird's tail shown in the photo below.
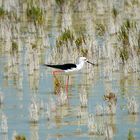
(53, 66)
(44, 64)
(47, 65)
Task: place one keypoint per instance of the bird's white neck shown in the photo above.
(80, 65)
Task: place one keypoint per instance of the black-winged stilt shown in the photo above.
(69, 67)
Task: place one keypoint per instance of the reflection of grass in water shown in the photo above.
(131, 135)
(57, 84)
(133, 118)
(20, 137)
(123, 86)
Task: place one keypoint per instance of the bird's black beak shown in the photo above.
(90, 63)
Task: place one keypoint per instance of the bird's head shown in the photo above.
(84, 59)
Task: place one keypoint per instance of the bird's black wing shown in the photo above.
(62, 67)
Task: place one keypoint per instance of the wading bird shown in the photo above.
(69, 68)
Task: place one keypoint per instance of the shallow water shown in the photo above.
(19, 88)
(64, 123)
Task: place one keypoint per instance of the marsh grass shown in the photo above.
(123, 34)
(84, 52)
(78, 44)
(63, 5)
(124, 37)
(114, 12)
(2, 12)
(14, 48)
(132, 105)
(138, 49)
(79, 41)
(34, 112)
(124, 54)
(65, 37)
(34, 46)
(71, 43)
(100, 29)
(35, 14)
(59, 2)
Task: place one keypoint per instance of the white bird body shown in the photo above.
(79, 65)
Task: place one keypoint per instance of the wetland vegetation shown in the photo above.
(102, 102)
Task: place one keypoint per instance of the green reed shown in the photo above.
(35, 14)
(14, 47)
(2, 12)
(65, 37)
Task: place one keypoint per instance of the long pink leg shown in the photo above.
(67, 82)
